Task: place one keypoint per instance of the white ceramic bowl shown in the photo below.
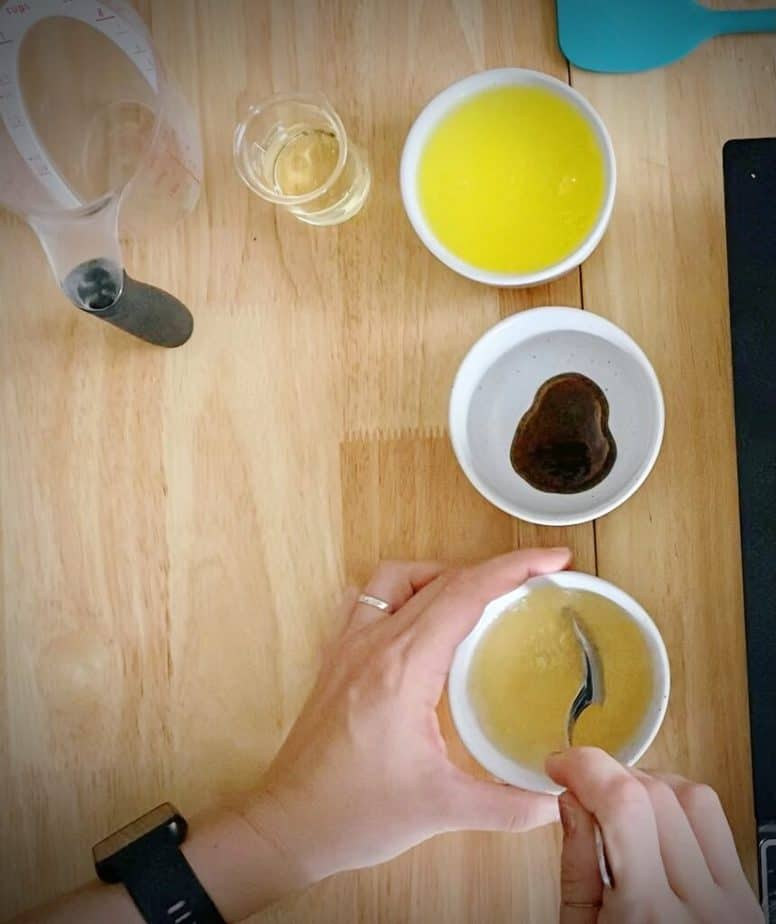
(439, 107)
(498, 380)
(464, 716)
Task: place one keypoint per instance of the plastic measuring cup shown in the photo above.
(95, 141)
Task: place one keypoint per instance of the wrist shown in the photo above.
(239, 857)
(284, 826)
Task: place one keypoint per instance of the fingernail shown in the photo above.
(567, 818)
(553, 764)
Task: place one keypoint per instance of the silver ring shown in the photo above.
(376, 602)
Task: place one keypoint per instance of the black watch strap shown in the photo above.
(162, 884)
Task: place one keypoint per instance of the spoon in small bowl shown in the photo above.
(591, 691)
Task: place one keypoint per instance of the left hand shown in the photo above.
(364, 774)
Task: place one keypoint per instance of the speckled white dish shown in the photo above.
(497, 383)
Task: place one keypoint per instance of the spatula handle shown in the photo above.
(731, 21)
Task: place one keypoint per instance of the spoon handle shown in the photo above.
(603, 861)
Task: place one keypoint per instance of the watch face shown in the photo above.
(163, 816)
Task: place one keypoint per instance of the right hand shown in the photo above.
(668, 844)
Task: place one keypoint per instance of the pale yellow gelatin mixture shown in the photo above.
(306, 162)
(512, 180)
(527, 670)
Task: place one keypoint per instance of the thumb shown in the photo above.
(455, 610)
(581, 889)
(482, 806)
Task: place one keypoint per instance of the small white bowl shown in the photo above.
(498, 380)
(452, 97)
(465, 718)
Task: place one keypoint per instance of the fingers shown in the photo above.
(452, 614)
(685, 865)
(624, 812)
(710, 827)
(581, 889)
(476, 805)
(344, 615)
(395, 582)
(418, 604)
(349, 598)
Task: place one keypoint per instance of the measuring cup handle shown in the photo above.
(101, 287)
(149, 313)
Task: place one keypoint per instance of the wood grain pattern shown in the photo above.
(677, 544)
(175, 528)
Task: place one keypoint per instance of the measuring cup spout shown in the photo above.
(84, 252)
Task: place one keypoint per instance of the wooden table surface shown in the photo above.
(176, 526)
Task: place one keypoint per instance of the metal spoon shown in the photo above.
(592, 689)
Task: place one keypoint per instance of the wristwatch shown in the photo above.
(145, 856)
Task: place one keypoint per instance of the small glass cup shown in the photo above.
(292, 150)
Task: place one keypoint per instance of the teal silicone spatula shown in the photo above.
(621, 36)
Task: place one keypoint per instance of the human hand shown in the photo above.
(668, 845)
(364, 773)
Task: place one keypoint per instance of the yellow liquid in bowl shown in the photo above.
(527, 670)
(512, 180)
